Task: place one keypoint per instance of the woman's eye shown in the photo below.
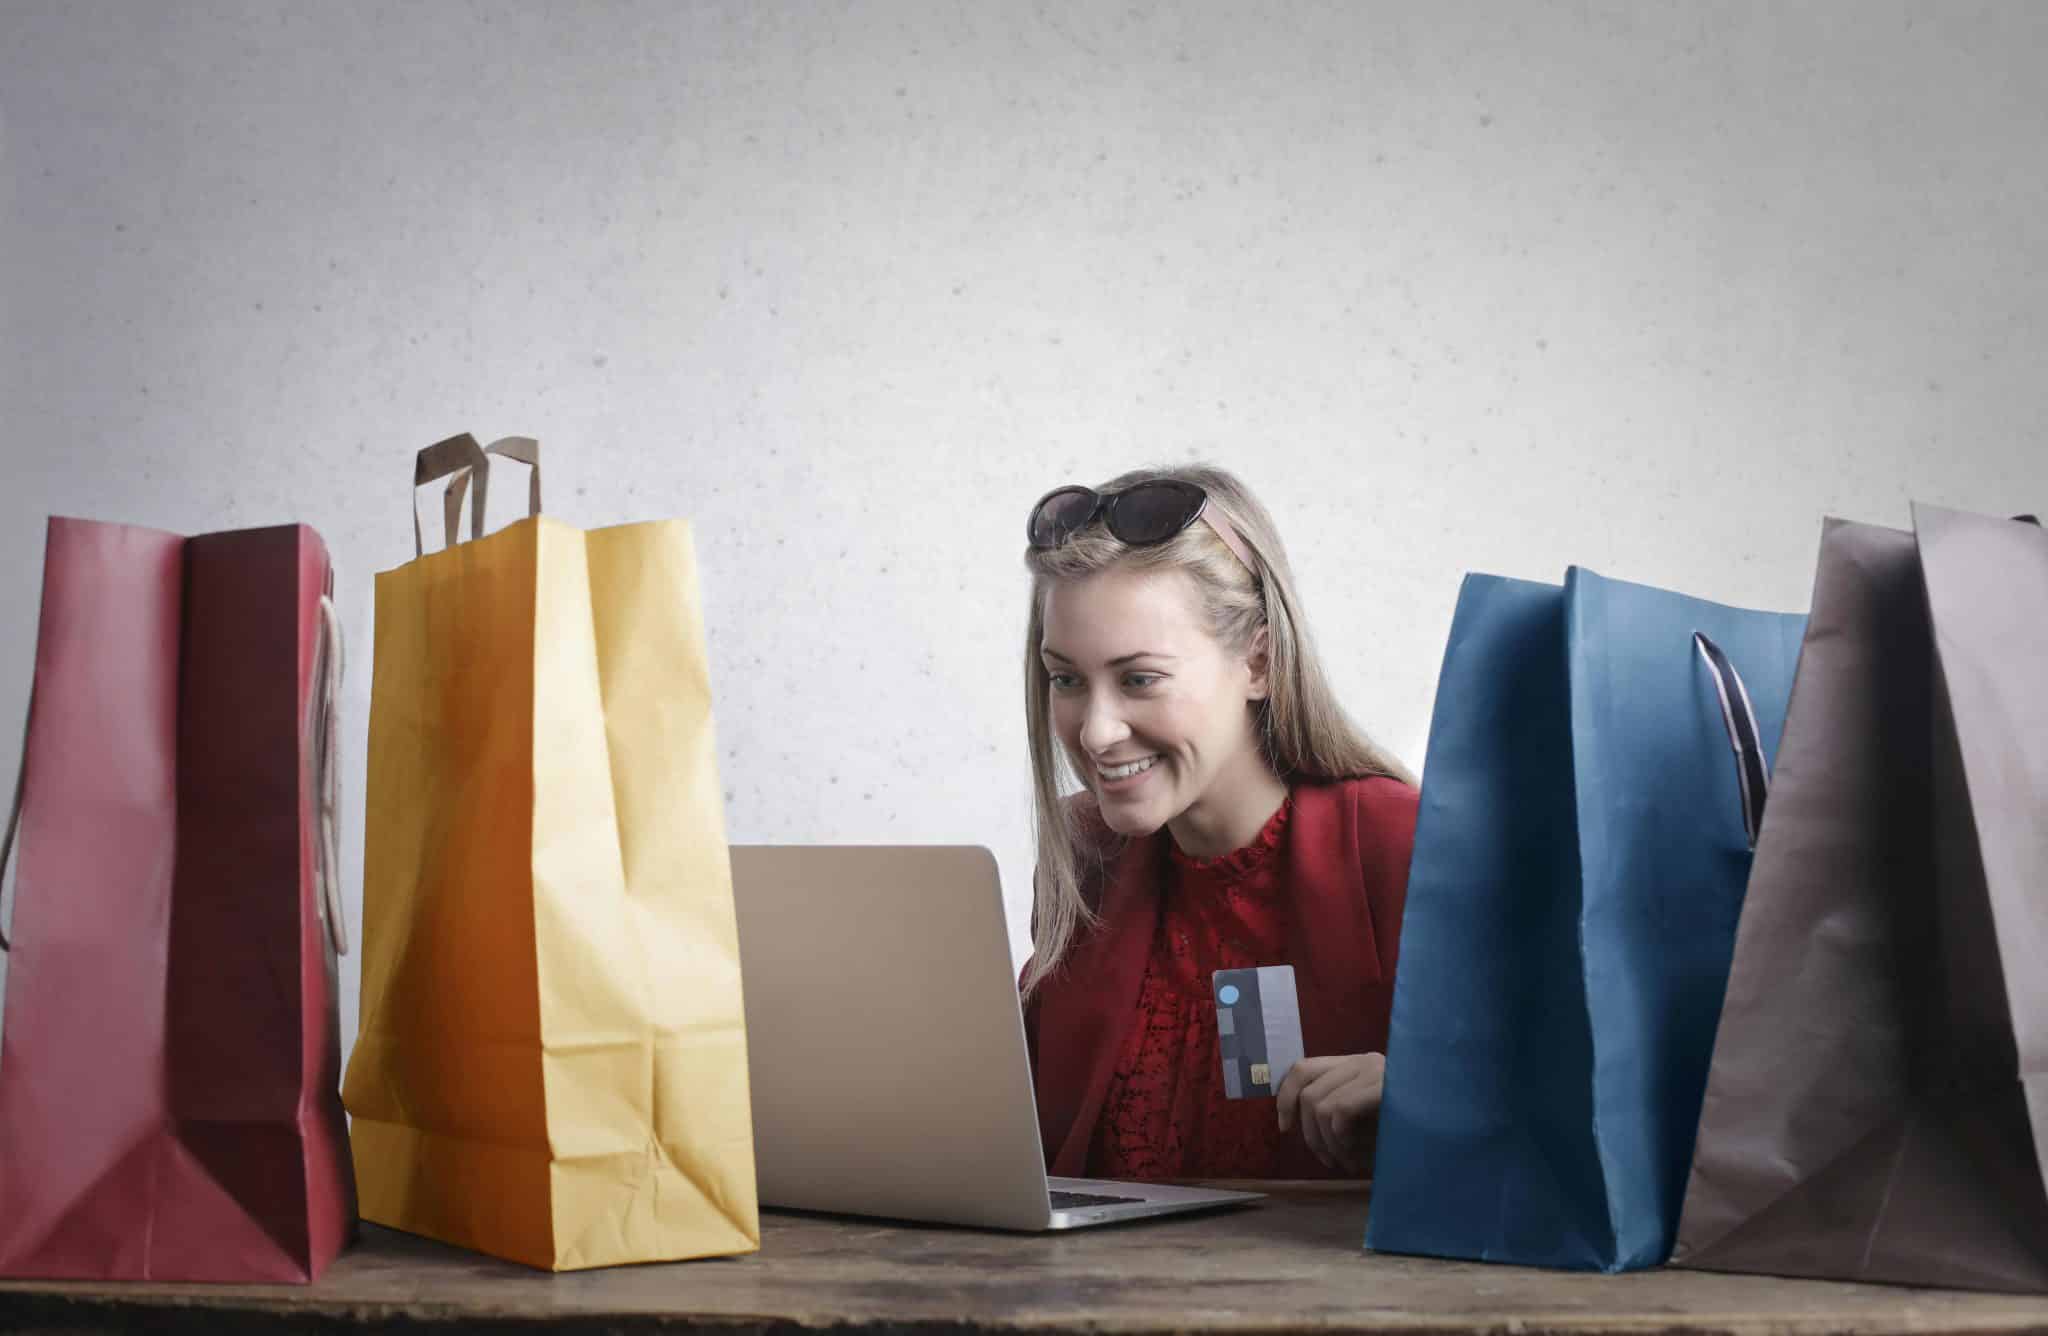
(1064, 681)
(1141, 681)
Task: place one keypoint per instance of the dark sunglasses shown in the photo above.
(1141, 515)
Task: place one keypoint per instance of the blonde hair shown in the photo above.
(1303, 733)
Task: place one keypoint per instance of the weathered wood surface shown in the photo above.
(1293, 1263)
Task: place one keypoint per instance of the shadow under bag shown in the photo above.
(168, 1068)
(1596, 767)
(1878, 1100)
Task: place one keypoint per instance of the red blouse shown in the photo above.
(1165, 1115)
(1123, 1035)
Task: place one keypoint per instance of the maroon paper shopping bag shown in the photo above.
(169, 1055)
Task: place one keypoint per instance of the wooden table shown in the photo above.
(1293, 1263)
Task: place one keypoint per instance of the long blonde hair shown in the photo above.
(1303, 733)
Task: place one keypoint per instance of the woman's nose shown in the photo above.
(1103, 727)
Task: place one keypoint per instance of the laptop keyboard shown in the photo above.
(1069, 1201)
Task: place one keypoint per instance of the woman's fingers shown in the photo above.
(1312, 1133)
(1344, 1116)
(1335, 1100)
(1299, 1076)
(1329, 1077)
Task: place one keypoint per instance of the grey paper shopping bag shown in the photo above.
(1876, 1101)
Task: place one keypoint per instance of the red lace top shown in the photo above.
(1322, 890)
(1164, 1115)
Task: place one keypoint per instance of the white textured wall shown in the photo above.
(1648, 287)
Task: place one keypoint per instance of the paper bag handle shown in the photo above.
(324, 743)
(459, 456)
(520, 449)
(1739, 716)
(14, 814)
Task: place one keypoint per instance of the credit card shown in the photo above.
(1258, 1029)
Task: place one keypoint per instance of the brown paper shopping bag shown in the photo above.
(1878, 1100)
(553, 1065)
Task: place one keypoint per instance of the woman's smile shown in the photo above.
(1124, 776)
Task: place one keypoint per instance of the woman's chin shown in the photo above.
(1135, 820)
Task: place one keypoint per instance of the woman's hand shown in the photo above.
(1337, 1102)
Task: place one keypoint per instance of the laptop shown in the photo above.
(886, 1045)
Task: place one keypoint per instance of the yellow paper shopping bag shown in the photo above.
(552, 1064)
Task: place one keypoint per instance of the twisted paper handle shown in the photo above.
(458, 456)
(326, 749)
(1745, 739)
(522, 449)
(14, 815)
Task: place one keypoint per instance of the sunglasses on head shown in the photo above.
(1140, 515)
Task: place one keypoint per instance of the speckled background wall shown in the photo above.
(1647, 287)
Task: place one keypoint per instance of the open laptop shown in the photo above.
(886, 1046)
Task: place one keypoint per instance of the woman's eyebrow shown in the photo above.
(1047, 651)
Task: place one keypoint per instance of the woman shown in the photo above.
(1230, 816)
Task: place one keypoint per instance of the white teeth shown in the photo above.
(1126, 771)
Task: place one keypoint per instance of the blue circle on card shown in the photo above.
(1229, 995)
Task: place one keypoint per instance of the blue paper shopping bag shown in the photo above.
(1598, 759)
